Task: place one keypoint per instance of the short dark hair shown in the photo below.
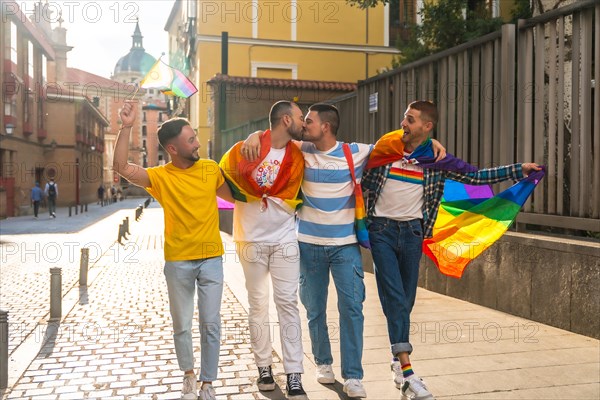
(429, 111)
(170, 130)
(327, 113)
(278, 110)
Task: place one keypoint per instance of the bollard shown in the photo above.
(3, 349)
(85, 207)
(81, 211)
(83, 266)
(120, 233)
(69, 211)
(126, 222)
(55, 294)
(76, 209)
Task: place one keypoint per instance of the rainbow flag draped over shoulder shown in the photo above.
(470, 219)
(360, 214)
(286, 188)
(168, 80)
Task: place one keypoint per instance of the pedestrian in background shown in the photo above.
(100, 194)
(36, 198)
(51, 192)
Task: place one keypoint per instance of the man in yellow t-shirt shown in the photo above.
(186, 188)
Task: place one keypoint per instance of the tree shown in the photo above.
(443, 26)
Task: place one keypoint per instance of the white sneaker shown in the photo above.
(414, 389)
(189, 390)
(207, 392)
(397, 374)
(354, 388)
(325, 374)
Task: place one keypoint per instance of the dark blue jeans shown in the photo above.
(396, 248)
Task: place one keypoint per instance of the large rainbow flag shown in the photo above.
(168, 80)
(286, 188)
(470, 218)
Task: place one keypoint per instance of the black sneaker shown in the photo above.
(265, 379)
(294, 385)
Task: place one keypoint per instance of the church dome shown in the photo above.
(137, 60)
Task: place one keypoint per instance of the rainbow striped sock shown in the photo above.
(407, 370)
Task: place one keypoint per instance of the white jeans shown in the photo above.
(282, 262)
(183, 277)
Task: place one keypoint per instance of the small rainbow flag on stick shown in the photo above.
(168, 80)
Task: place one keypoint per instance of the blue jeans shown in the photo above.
(345, 264)
(396, 249)
(183, 277)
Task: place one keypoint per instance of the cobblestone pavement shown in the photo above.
(117, 340)
(26, 259)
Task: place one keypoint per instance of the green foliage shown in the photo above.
(366, 3)
(443, 26)
(521, 10)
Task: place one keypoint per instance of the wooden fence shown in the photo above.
(524, 93)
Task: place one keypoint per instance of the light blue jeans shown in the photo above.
(345, 264)
(183, 277)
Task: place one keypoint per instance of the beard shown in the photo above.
(296, 133)
(193, 156)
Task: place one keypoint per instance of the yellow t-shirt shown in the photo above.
(189, 199)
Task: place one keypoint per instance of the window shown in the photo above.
(13, 42)
(144, 131)
(44, 69)
(40, 116)
(30, 68)
(10, 106)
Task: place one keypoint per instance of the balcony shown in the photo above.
(42, 134)
(27, 129)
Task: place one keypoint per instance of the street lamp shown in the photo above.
(9, 128)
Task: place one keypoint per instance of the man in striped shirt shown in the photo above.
(402, 205)
(328, 244)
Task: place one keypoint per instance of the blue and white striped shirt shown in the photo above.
(327, 214)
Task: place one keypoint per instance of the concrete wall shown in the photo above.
(554, 281)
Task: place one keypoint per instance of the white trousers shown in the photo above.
(282, 262)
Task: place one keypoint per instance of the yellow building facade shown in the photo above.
(284, 39)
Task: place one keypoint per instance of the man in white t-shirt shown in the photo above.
(267, 195)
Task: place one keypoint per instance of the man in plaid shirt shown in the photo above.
(402, 205)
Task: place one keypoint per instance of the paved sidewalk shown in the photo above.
(115, 339)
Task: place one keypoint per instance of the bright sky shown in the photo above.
(100, 31)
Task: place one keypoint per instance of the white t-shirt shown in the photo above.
(327, 214)
(252, 222)
(401, 198)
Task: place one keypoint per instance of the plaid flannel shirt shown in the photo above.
(433, 187)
